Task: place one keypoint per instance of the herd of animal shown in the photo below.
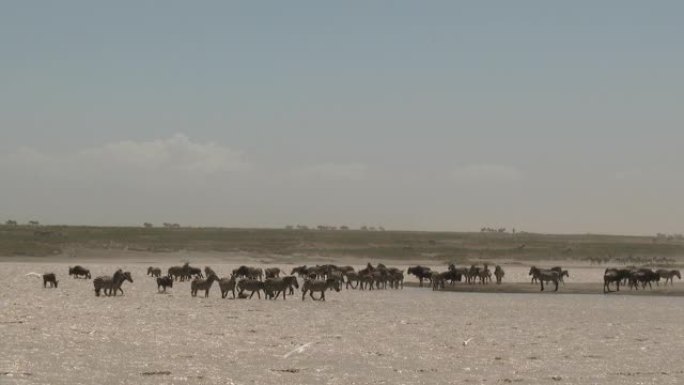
(251, 280)
(245, 281)
(634, 277)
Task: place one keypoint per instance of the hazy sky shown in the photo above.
(541, 115)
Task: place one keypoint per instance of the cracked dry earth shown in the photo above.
(411, 336)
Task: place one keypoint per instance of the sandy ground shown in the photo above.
(412, 336)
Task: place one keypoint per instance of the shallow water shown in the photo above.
(411, 336)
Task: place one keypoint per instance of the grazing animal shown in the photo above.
(669, 275)
(164, 282)
(227, 284)
(190, 271)
(51, 279)
(177, 272)
(79, 271)
(421, 272)
(279, 285)
(499, 274)
(614, 275)
(209, 271)
(352, 276)
(111, 285)
(311, 285)
(272, 272)
(396, 279)
(485, 275)
(251, 285)
(249, 272)
(643, 276)
(544, 276)
(154, 272)
(202, 284)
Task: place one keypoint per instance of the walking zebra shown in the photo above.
(202, 284)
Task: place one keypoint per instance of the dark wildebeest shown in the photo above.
(643, 276)
(51, 279)
(272, 272)
(421, 272)
(614, 275)
(177, 273)
(154, 272)
(78, 271)
(248, 272)
(499, 274)
(164, 282)
(190, 271)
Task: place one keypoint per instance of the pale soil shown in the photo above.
(412, 336)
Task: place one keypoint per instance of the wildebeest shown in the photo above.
(202, 284)
(544, 276)
(164, 282)
(272, 272)
(189, 271)
(668, 275)
(248, 272)
(643, 276)
(499, 274)
(154, 271)
(51, 279)
(421, 272)
(177, 273)
(209, 271)
(312, 285)
(78, 271)
(614, 275)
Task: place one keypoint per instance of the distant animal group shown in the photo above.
(245, 281)
(635, 277)
(470, 275)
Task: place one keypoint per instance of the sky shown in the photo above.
(544, 116)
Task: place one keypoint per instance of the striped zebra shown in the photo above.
(273, 287)
(202, 284)
(313, 285)
(110, 285)
(544, 276)
(227, 284)
(155, 272)
(668, 275)
(251, 285)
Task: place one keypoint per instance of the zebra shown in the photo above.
(112, 284)
(485, 275)
(352, 276)
(473, 274)
(279, 285)
(669, 275)
(643, 276)
(227, 284)
(312, 285)
(544, 275)
(253, 285)
(396, 279)
(499, 274)
(272, 272)
(51, 279)
(78, 271)
(202, 284)
(155, 272)
(164, 282)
